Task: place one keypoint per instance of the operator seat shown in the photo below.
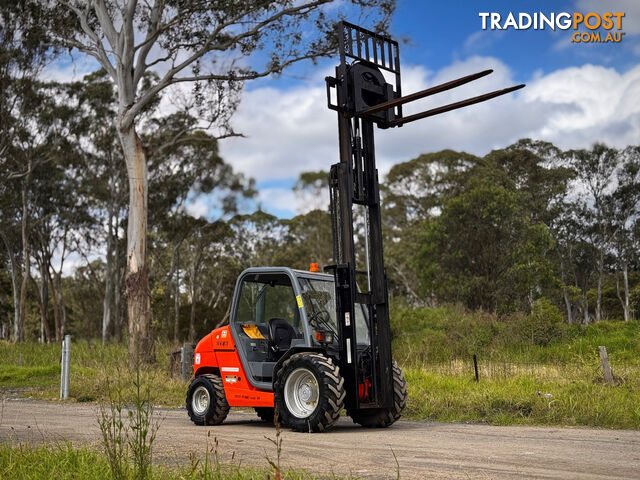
(281, 333)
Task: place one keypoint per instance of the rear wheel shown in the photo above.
(383, 417)
(309, 392)
(206, 401)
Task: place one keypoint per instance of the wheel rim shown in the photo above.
(301, 393)
(200, 401)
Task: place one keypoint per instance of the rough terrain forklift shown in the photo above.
(303, 344)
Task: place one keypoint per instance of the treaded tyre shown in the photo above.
(383, 417)
(309, 392)
(206, 401)
(266, 414)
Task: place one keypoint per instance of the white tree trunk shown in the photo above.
(108, 282)
(599, 290)
(14, 281)
(176, 297)
(567, 303)
(136, 280)
(18, 328)
(625, 305)
(624, 301)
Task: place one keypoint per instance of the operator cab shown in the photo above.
(275, 309)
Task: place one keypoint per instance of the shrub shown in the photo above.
(544, 323)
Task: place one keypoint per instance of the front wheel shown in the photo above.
(309, 392)
(383, 417)
(206, 401)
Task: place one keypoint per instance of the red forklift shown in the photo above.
(301, 346)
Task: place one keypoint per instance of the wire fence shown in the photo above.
(490, 369)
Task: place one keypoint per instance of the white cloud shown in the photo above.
(73, 69)
(291, 131)
(278, 199)
(198, 208)
(631, 8)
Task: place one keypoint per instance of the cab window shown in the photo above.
(267, 296)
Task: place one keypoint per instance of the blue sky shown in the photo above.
(456, 26)
(439, 32)
(445, 40)
(576, 94)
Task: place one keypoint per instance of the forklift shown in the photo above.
(301, 346)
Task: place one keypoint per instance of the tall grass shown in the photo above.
(533, 369)
(64, 462)
(93, 366)
(546, 397)
(519, 355)
(434, 335)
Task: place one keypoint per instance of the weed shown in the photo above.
(128, 439)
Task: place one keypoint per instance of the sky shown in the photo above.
(576, 94)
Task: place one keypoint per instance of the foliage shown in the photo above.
(483, 251)
(434, 335)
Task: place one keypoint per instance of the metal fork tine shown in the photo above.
(453, 106)
(424, 93)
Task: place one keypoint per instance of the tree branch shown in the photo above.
(169, 77)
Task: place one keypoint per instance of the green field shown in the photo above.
(533, 369)
(65, 462)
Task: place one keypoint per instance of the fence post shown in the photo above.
(475, 367)
(64, 367)
(186, 359)
(606, 368)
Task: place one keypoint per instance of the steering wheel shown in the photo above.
(321, 319)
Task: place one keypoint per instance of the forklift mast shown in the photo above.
(362, 95)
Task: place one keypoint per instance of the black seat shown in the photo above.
(281, 333)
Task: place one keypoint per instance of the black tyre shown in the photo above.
(266, 414)
(383, 417)
(206, 401)
(309, 393)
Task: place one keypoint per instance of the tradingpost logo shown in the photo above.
(587, 27)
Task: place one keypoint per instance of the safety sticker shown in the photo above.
(299, 299)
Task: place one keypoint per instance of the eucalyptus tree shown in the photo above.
(214, 45)
(24, 51)
(596, 169)
(623, 214)
(206, 243)
(414, 192)
(44, 137)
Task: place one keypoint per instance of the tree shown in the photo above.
(622, 213)
(412, 193)
(312, 191)
(44, 137)
(484, 251)
(23, 54)
(307, 239)
(596, 170)
(196, 41)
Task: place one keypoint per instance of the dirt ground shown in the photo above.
(423, 450)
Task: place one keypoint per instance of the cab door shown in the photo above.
(265, 322)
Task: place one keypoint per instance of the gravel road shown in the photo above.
(423, 450)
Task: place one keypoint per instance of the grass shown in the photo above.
(532, 371)
(65, 462)
(542, 395)
(92, 366)
(521, 358)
